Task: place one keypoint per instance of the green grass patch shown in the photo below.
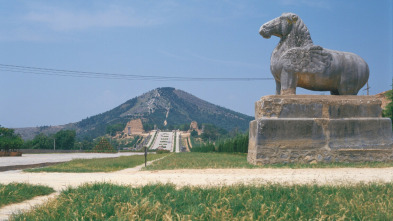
(18, 192)
(98, 164)
(196, 160)
(201, 161)
(268, 202)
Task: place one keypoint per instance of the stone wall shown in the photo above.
(134, 127)
(323, 128)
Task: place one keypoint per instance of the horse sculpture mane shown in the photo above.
(297, 62)
(302, 34)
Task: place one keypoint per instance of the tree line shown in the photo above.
(63, 140)
(9, 140)
(237, 144)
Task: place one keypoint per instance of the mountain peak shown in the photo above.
(163, 107)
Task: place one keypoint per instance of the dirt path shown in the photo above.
(206, 177)
(6, 211)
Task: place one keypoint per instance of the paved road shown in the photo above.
(31, 159)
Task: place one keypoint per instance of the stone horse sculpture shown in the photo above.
(297, 62)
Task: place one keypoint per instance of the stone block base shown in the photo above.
(319, 128)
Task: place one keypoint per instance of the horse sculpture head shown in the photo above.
(280, 26)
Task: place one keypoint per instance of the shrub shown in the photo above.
(162, 151)
(388, 111)
(104, 147)
(9, 140)
(238, 144)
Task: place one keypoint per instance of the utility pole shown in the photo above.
(145, 155)
(367, 89)
(54, 143)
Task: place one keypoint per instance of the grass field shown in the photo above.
(18, 192)
(98, 165)
(195, 160)
(201, 161)
(184, 161)
(269, 202)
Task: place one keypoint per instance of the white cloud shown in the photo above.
(62, 19)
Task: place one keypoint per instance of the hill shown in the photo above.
(163, 107)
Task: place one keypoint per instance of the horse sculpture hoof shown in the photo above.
(291, 91)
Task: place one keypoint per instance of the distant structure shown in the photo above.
(134, 127)
(382, 96)
(194, 126)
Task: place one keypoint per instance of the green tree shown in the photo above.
(65, 139)
(184, 127)
(42, 141)
(194, 133)
(211, 132)
(104, 146)
(84, 145)
(148, 127)
(114, 128)
(388, 111)
(9, 140)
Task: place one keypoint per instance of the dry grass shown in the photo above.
(103, 201)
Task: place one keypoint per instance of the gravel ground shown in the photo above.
(206, 177)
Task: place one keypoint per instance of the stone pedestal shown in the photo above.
(322, 128)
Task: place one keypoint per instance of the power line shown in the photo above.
(103, 75)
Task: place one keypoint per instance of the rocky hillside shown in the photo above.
(163, 107)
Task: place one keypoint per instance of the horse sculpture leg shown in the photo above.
(278, 88)
(288, 82)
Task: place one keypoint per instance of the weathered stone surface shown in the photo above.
(318, 106)
(134, 127)
(297, 62)
(360, 133)
(325, 128)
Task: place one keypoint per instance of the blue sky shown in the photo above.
(167, 38)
